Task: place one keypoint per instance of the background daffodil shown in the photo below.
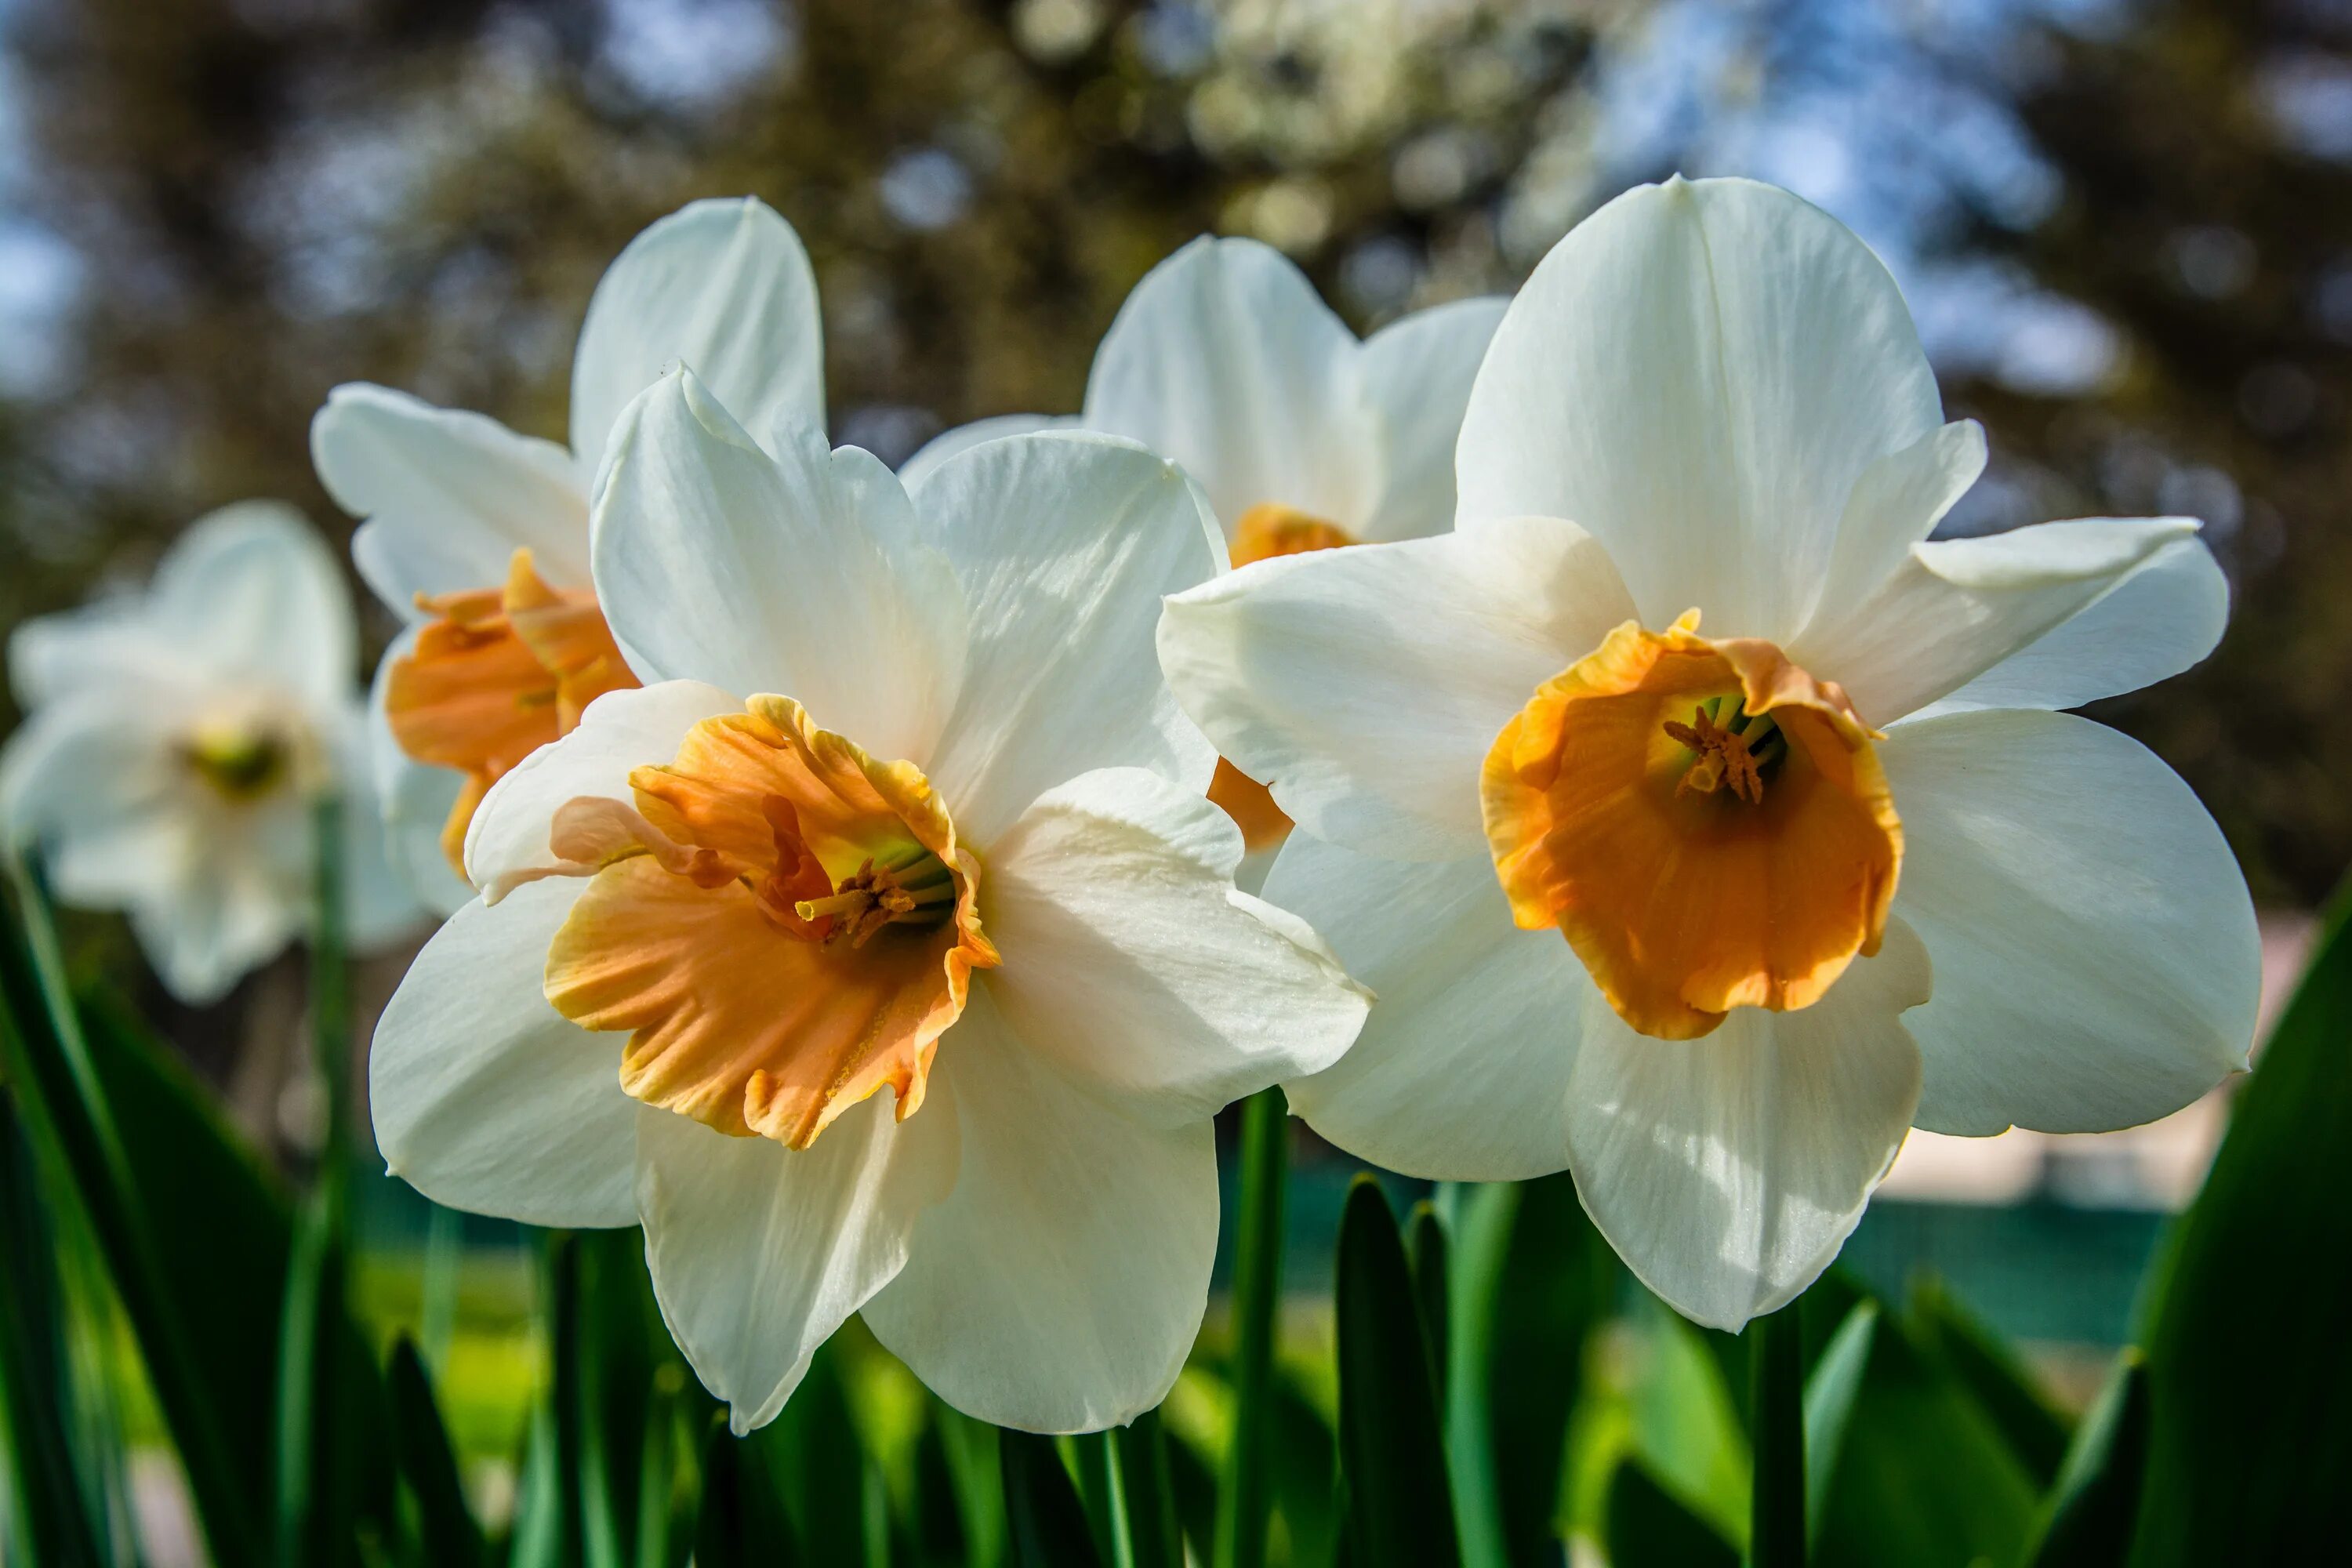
(1692, 687)
(903, 803)
(478, 537)
(178, 740)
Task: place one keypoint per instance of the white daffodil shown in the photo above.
(1303, 437)
(478, 537)
(176, 741)
(716, 921)
(1691, 687)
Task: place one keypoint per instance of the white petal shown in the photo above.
(447, 497)
(94, 772)
(1417, 373)
(1060, 1286)
(723, 286)
(507, 842)
(1958, 606)
(223, 921)
(485, 1097)
(379, 906)
(2096, 960)
(1698, 375)
(2161, 618)
(1368, 684)
(963, 437)
(1461, 1073)
(1226, 360)
(759, 1252)
(1727, 1171)
(106, 644)
(1065, 545)
(414, 801)
(1895, 504)
(798, 570)
(252, 592)
(1132, 964)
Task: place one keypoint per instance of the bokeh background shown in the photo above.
(2124, 228)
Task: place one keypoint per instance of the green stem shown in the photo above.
(1243, 1499)
(330, 978)
(1775, 1534)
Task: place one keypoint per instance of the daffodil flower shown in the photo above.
(1701, 823)
(176, 741)
(1303, 437)
(903, 805)
(478, 537)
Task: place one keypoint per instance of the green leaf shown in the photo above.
(820, 1465)
(1103, 1495)
(446, 1530)
(2092, 1509)
(1154, 1541)
(2035, 1431)
(1686, 1425)
(1530, 1282)
(2248, 1378)
(741, 1520)
(1925, 1476)
(1424, 1245)
(1399, 1503)
(1648, 1528)
(43, 1518)
(969, 1451)
(1243, 1495)
(1831, 1390)
(61, 1088)
(1776, 1419)
(1046, 1525)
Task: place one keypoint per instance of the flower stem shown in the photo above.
(330, 986)
(1242, 1495)
(1776, 1534)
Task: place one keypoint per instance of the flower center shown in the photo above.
(497, 674)
(1261, 533)
(1706, 823)
(239, 761)
(783, 924)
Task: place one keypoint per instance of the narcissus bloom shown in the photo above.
(1700, 822)
(175, 743)
(1226, 359)
(478, 537)
(902, 805)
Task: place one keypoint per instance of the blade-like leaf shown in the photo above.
(1400, 1502)
(1046, 1525)
(1154, 1539)
(969, 1449)
(1649, 1529)
(741, 1522)
(1831, 1391)
(43, 1517)
(445, 1526)
(2248, 1378)
(1243, 1495)
(1424, 1244)
(2091, 1509)
(2036, 1432)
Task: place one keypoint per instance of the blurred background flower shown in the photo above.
(2124, 228)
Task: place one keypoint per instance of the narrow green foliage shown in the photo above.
(44, 1516)
(1399, 1504)
(2247, 1379)
(2088, 1519)
(447, 1532)
(1243, 1495)
(968, 1449)
(741, 1522)
(1154, 1539)
(567, 1455)
(63, 1096)
(1648, 1528)
(1424, 1245)
(1101, 1490)
(2035, 1431)
(1775, 1423)
(1831, 1390)
(1046, 1525)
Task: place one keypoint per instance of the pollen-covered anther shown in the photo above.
(1726, 754)
(916, 891)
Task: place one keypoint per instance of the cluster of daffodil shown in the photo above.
(1535, 737)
